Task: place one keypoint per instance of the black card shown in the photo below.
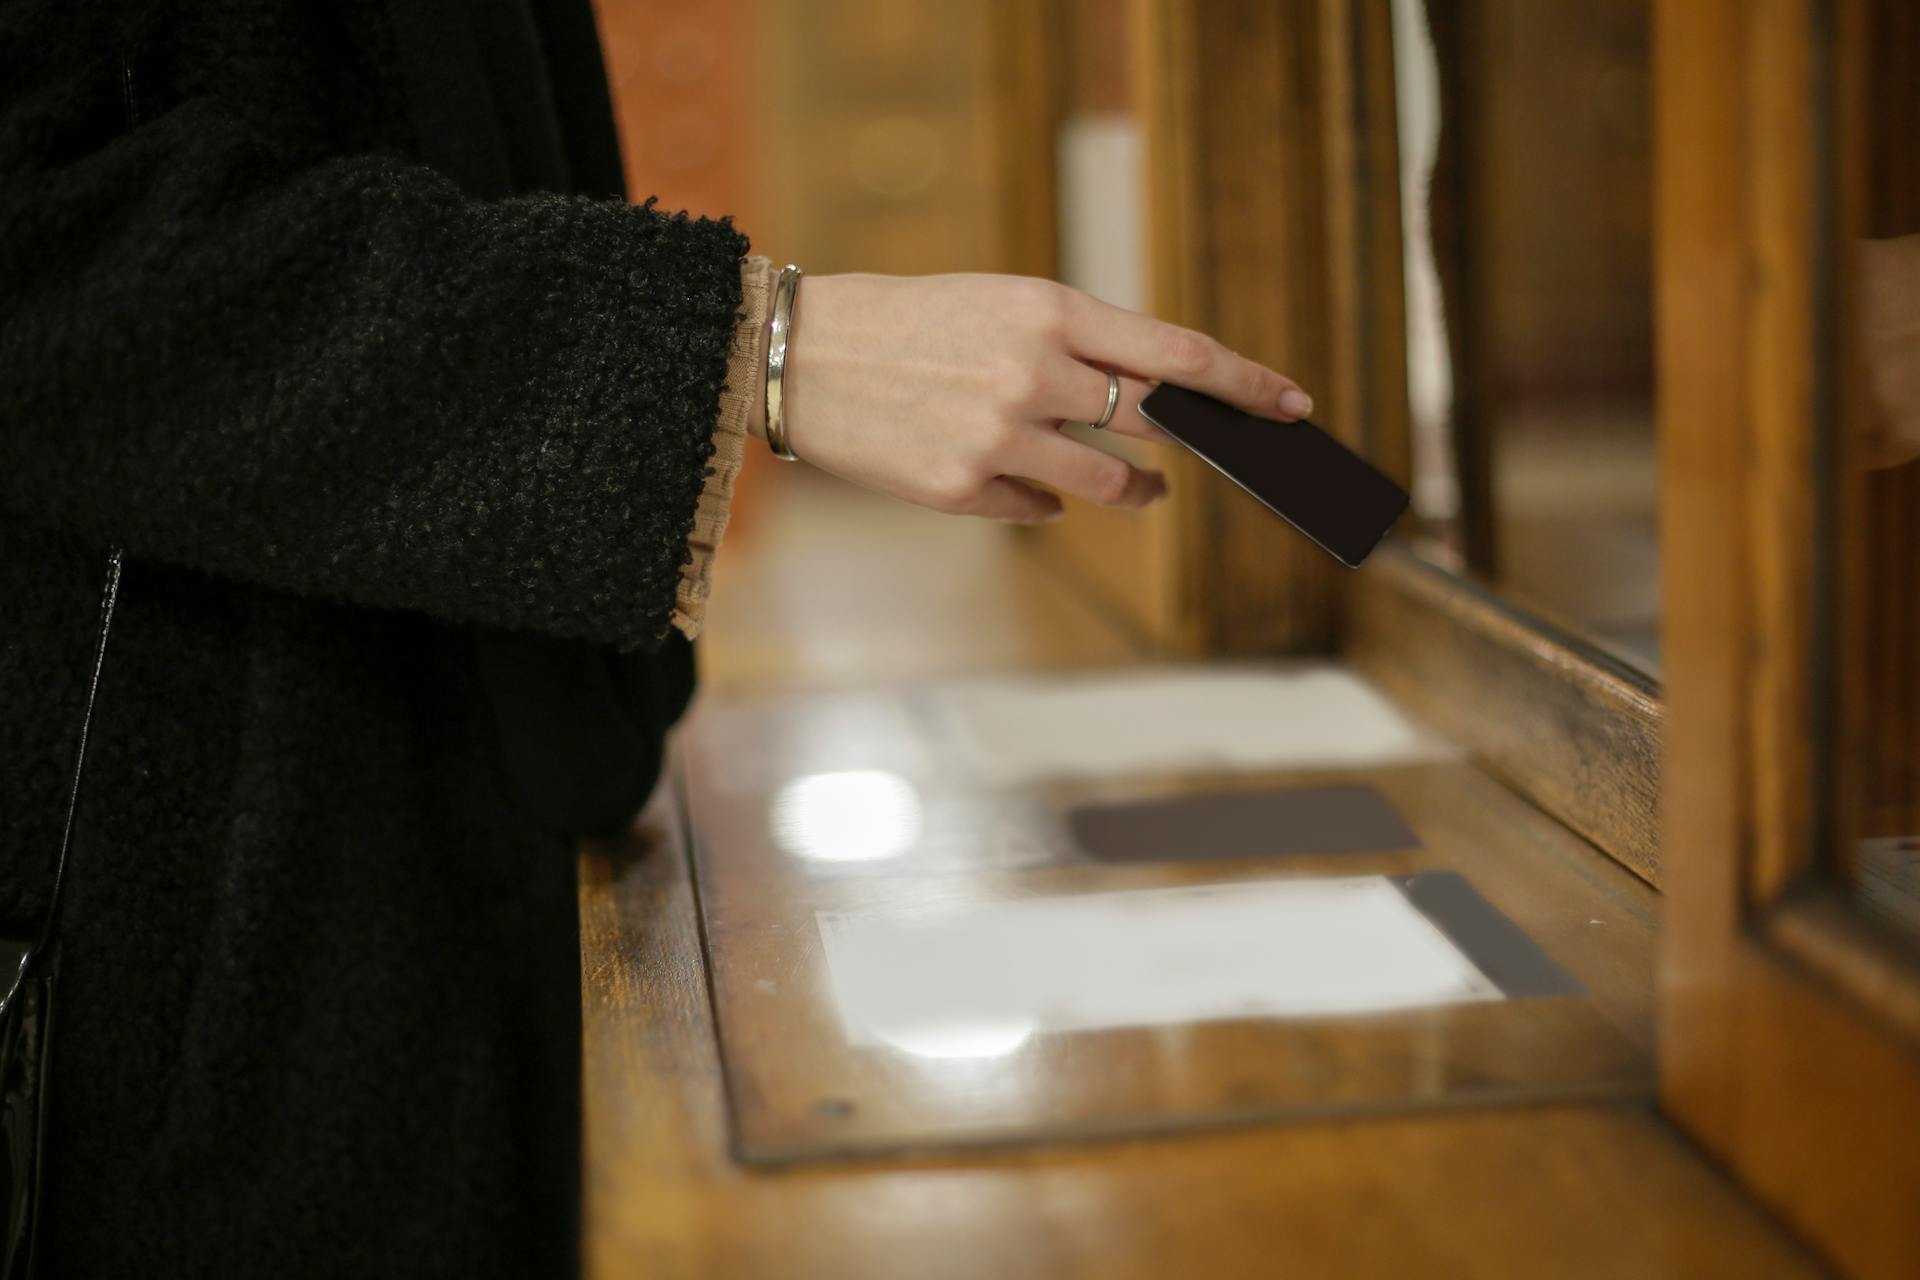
(1299, 472)
(1242, 824)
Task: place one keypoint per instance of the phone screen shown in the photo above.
(1318, 485)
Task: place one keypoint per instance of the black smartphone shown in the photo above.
(1299, 472)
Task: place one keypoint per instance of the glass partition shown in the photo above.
(1873, 656)
(1525, 151)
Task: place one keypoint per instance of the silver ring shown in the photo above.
(1113, 401)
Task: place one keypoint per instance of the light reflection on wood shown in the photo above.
(785, 1054)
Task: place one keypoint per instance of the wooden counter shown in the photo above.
(1600, 1190)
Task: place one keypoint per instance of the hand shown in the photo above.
(1889, 292)
(948, 391)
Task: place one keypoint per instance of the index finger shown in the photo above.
(1129, 342)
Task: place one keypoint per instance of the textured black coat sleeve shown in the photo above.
(339, 375)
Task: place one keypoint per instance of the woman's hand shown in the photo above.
(949, 390)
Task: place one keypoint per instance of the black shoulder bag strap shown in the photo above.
(30, 967)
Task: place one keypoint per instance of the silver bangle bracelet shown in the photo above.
(784, 289)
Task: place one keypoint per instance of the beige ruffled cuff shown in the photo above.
(744, 361)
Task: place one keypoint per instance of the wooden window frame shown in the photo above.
(1787, 1024)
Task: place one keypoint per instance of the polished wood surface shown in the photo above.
(1600, 1191)
(1566, 725)
(1781, 1060)
(800, 1087)
(837, 585)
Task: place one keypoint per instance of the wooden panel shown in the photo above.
(1234, 109)
(1782, 1061)
(1824, 931)
(1574, 730)
(1027, 100)
(1700, 280)
(1819, 1107)
(1779, 436)
(1538, 1191)
(1121, 561)
(1365, 258)
(1230, 96)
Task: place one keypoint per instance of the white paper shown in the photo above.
(979, 980)
(1319, 716)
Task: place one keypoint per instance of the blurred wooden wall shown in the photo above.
(844, 135)
(685, 95)
(1556, 142)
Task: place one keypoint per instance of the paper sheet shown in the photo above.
(1014, 730)
(979, 980)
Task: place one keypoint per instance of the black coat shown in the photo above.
(325, 311)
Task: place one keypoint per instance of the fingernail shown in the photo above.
(1297, 403)
(1051, 516)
